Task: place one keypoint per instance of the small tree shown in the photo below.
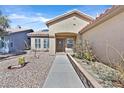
(4, 23)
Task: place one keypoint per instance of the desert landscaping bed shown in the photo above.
(105, 75)
(32, 75)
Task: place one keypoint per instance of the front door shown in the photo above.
(60, 45)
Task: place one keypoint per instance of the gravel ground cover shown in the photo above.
(32, 75)
(102, 73)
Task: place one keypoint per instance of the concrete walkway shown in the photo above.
(62, 74)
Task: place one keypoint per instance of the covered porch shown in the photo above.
(65, 41)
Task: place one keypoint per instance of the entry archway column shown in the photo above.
(52, 45)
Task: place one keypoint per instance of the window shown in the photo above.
(2, 44)
(46, 43)
(11, 44)
(70, 42)
(2, 38)
(37, 43)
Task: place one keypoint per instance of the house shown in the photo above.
(106, 35)
(16, 40)
(39, 40)
(62, 34)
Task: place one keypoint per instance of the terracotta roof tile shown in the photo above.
(38, 33)
(100, 16)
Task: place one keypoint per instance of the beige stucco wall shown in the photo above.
(65, 25)
(111, 31)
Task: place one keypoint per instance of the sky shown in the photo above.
(35, 16)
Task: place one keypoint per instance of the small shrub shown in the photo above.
(21, 60)
(87, 56)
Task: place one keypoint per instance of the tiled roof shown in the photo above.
(38, 33)
(101, 16)
(105, 13)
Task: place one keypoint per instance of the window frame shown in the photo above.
(46, 43)
(11, 44)
(37, 43)
(69, 42)
(2, 42)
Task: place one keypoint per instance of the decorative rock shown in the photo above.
(31, 75)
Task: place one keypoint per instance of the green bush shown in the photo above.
(21, 60)
(87, 56)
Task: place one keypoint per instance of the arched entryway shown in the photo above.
(65, 40)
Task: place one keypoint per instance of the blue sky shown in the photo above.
(35, 16)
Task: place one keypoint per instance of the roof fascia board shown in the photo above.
(68, 15)
(102, 20)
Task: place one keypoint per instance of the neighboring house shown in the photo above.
(16, 40)
(106, 34)
(62, 32)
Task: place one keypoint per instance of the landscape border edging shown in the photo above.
(86, 78)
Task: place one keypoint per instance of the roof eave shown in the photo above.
(89, 18)
(31, 30)
(109, 15)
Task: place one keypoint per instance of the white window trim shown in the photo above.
(46, 43)
(37, 43)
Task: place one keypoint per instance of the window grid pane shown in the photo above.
(46, 42)
(37, 43)
(70, 42)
